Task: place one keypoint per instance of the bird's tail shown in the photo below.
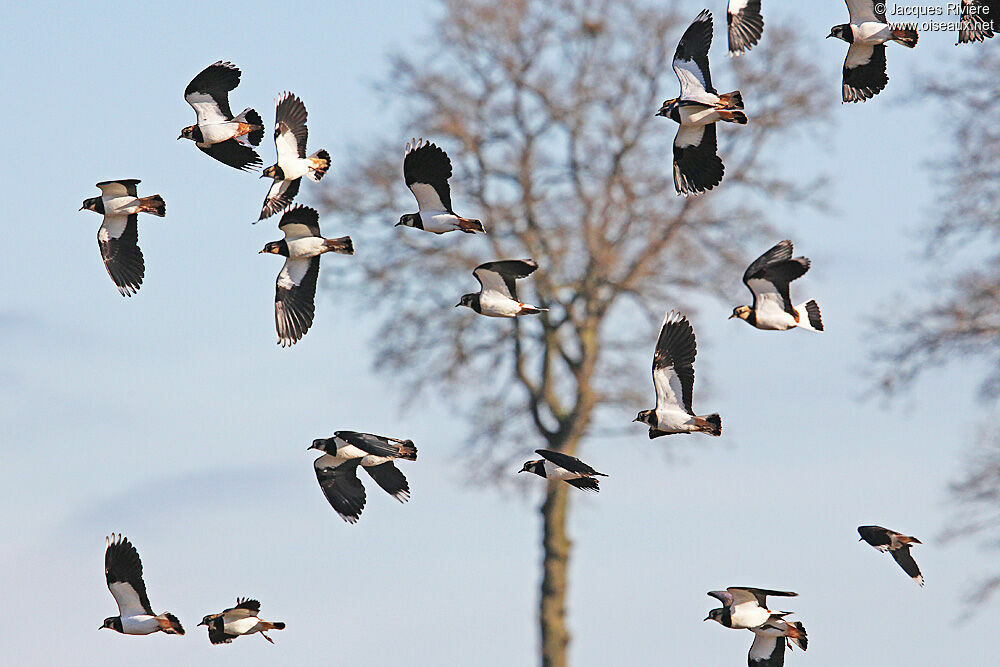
(731, 116)
(711, 424)
(407, 450)
(470, 226)
(907, 36)
(813, 320)
(344, 245)
(796, 634)
(907, 539)
(320, 164)
(585, 483)
(528, 309)
(256, 123)
(269, 625)
(733, 100)
(153, 204)
(169, 624)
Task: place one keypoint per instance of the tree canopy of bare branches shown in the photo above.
(547, 111)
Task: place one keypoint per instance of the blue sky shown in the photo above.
(174, 418)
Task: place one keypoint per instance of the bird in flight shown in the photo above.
(768, 278)
(898, 546)
(769, 640)
(426, 170)
(977, 20)
(563, 467)
(236, 621)
(867, 33)
(290, 135)
(744, 607)
(118, 236)
(746, 25)
(217, 132)
(123, 571)
(697, 165)
(337, 469)
(497, 296)
(295, 288)
(673, 379)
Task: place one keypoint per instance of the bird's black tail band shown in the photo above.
(321, 164)
(153, 204)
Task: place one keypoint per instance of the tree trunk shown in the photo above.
(555, 563)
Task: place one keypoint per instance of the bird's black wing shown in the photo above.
(691, 58)
(864, 72)
(567, 462)
(208, 92)
(341, 486)
(426, 169)
(119, 188)
(673, 362)
(762, 593)
(392, 481)
(299, 222)
(905, 560)
(769, 276)
(745, 23)
(501, 276)
(877, 536)
(247, 604)
(217, 631)
(281, 194)
(233, 153)
(376, 445)
(977, 20)
(766, 651)
(697, 165)
(123, 572)
(290, 130)
(294, 299)
(118, 239)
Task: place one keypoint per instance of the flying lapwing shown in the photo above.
(867, 33)
(898, 546)
(497, 296)
(426, 170)
(557, 466)
(978, 20)
(237, 621)
(768, 278)
(745, 23)
(744, 607)
(123, 571)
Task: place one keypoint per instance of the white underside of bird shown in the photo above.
(871, 33)
(243, 626)
(671, 420)
(698, 115)
(309, 246)
(496, 305)
(552, 471)
(143, 624)
(748, 615)
(299, 167)
(773, 317)
(439, 222)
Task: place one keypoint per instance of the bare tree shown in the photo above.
(547, 109)
(963, 323)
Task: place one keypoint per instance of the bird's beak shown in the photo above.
(397, 224)
(260, 252)
(635, 420)
(180, 136)
(731, 316)
(202, 623)
(262, 176)
(457, 305)
(81, 208)
(520, 471)
(829, 36)
(707, 618)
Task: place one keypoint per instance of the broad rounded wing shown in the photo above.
(299, 223)
(500, 276)
(121, 188)
(233, 153)
(290, 131)
(376, 445)
(567, 462)
(123, 571)
(281, 195)
(673, 363)
(745, 23)
(341, 486)
(905, 560)
(294, 297)
(426, 169)
(768, 277)
(864, 72)
(767, 650)
(877, 536)
(697, 165)
(978, 20)
(725, 597)
(118, 239)
(691, 60)
(217, 631)
(245, 607)
(208, 93)
(863, 11)
(392, 481)
(757, 596)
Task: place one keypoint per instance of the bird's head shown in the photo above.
(670, 110)
(188, 132)
(93, 204)
(208, 619)
(842, 31)
(112, 623)
(645, 417)
(327, 445)
(275, 172)
(742, 312)
(537, 467)
(274, 248)
(716, 615)
(408, 220)
(467, 300)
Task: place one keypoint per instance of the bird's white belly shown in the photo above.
(242, 626)
(697, 115)
(216, 133)
(557, 473)
(307, 247)
(748, 616)
(871, 33)
(296, 168)
(674, 420)
(439, 222)
(140, 625)
(375, 460)
(350, 452)
(120, 205)
(775, 320)
(495, 305)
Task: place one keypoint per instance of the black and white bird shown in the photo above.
(746, 25)
(123, 571)
(769, 640)
(744, 607)
(563, 467)
(867, 33)
(295, 289)
(673, 379)
(337, 469)
(426, 169)
(118, 236)
(236, 621)
(290, 135)
(217, 132)
(978, 20)
(768, 278)
(497, 296)
(898, 546)
(697, 165)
